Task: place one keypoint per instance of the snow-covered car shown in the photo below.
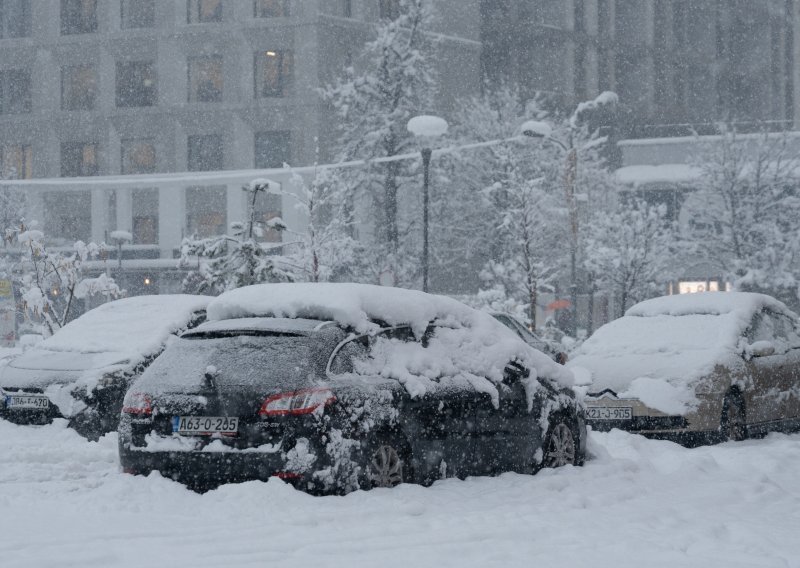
(83, 371)
(345, 386)
(550, 348)
(695, 368)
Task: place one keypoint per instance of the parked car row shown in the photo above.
(332, 386)
(343, 386)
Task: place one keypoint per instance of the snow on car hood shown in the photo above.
(662, 347)
(484, 345)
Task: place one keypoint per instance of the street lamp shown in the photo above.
(120, 238)
(426, 128)
(538, 129)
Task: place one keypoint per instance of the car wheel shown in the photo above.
(387, 464)
(561, 445)
(733, 424)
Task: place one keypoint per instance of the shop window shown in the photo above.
(79, 159)
(78, 87)
(205, 79)
(15, 91)
(138, 157)
(78, 17)
(138, 14)
(273, 73)
(205, 152)
(204, 11)
(205, 210)
(145, 216)
(67, 215)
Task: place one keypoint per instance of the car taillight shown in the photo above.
(303, 401)
(137, 403)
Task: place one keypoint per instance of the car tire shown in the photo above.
(386, 462)
(733, 421)
(561, 444)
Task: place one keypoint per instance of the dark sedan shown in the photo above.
(331, 409)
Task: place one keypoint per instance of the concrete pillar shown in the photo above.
(235, 206)
(100, 215)
(171, 217)
(590, 59)
(124, 220)
(648, 79)
(795, 23)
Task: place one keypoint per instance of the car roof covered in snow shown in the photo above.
(485, 348)
(136, 327)
(662, 347)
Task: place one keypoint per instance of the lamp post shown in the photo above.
(538, 129)
(426, 128)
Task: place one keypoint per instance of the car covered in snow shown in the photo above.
(695, 368)
(550, 348)
(345, 386)
(82, 372)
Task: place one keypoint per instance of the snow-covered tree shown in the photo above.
(225, 262)
(50, 281)
(749, 221)
(394, 82)
(629, 249)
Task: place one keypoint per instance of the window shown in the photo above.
(205, 210)
(138, 14)
(273, 73)
(273, 149)
(136, 84)
(271, 8)
(68, 215)
(78, 16)
(267, 207)
(343, 359)
(78, 159)
(138, 157)
(204, 11)
(78, 87)
(205, 152)
(347, 8)
(16, 161)
(145, 216)
(205, 79)
(15, 91)
(388, 9)
(551, 13)
(15, 18)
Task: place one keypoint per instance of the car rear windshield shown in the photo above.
(240, 358)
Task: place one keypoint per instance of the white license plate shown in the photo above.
(27, 401)
(609, 412)
(205, 425)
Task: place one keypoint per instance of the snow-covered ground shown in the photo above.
(64, 502)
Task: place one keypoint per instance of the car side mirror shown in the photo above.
(760, 349)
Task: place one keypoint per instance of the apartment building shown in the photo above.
(113, 113)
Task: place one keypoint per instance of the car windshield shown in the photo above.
(236, 358)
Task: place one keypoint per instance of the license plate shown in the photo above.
(609, 412)
(205, 425)
(27, 401)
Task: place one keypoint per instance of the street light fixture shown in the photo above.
(426, 128)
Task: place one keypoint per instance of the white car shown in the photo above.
(83, 371)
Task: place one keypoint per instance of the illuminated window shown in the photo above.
(78, 87)
(79, 159)
(78, 16)
(17, 161)
(273, 73)
(15, 91)
(136, 84)
(15, 18)
(145, 216)
(138, 157)
(138, 14)
(205, 152)
(205, 210)
(205, 79)
(204, 11)
(271, 8)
